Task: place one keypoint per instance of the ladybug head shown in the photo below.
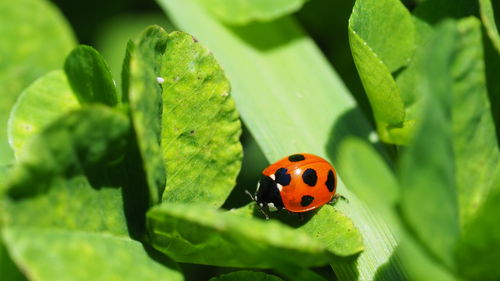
(267, 196)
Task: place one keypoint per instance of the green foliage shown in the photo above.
(67, 199)
(39, 105)
(239, 12)
(26, 53)
(381, 46)
(90, 77)
(244, 275)
(288, 109)
(123, 182)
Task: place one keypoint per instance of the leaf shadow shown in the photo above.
(264, 36)
(389, 270)
(351, 124)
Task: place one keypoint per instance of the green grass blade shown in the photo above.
(35, 39)
(288, 109)
(41, 103)
(240, 12)
(90, 77)
(200, 124)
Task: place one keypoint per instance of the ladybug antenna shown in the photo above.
(256, 203)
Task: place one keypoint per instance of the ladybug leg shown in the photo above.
(336, 197)
(301, 217)
(261, 209)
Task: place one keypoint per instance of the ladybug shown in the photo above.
(297, 183)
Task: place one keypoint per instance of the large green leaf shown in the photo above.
(64, 214)
(26, 51)
(477, 254)
(429, 198)
(244, 275)
(41, 103)
(200, 234)
(90, 77)
(288, 109)
(200, 124)
(143, 93)
(477, 156)
(241, 12)
(382, 39)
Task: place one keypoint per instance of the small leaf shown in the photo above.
(245, 275)
(242, 12)
(27, 53)
(382, 39)
(90, 77)
(200, 124)
(429, 199)
(65, 215)
(41, 103)
(196, 233)
(143, 93)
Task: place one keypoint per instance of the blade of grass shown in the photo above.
(291, 100)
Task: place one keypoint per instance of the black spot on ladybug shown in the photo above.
(296, 158)
(330, 181)
(268, 192)
(282, 177)
(306, 200)
(309, 177)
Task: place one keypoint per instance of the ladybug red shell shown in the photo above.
(297, 183)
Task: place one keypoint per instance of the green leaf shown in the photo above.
(332, 229)
(477, 254)
(242, 12)
(429, 198)
(382, 39)
(41, 103)
(488, 18)
(196, 233)
(142, 91)
(288, 109)
(26, 52)
(90, 77)
(200, 124)
(65, 215)
(477, 156)
(245, 275)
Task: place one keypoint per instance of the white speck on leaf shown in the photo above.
(160, 80)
